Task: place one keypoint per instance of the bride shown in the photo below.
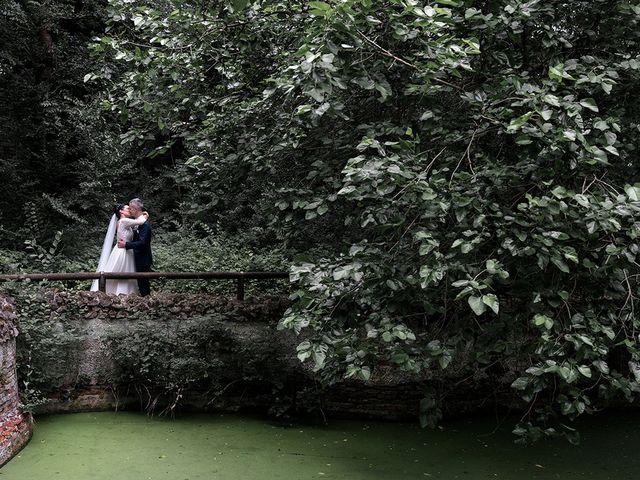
(114, 259)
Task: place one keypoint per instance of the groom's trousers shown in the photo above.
(143, 283)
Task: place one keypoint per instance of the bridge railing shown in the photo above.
(102, 277)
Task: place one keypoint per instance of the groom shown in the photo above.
(141, 245)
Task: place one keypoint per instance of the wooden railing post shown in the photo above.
(240, 292)
(102, 283)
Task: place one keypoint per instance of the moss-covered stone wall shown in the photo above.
(165, 353)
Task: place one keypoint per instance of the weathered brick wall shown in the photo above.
(15, 428)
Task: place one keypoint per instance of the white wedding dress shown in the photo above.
(121, 260)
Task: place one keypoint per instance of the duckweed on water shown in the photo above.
(132, 446)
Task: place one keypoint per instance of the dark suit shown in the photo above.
(141, 245)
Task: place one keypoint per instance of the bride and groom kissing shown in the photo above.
(132, 252)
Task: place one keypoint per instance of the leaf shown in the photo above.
(471, 12)
(557, 73)
(444, 360)
(539, 319)
(320, 5)
(491, 301)
(425, 271)
(546, 114)
(319, 9)
(586, 340)
(558, 262)
(611, 149)
(340, 273)
(520, 383)
(551, 100)
(319, 357)
(570, 254)
(516, 123)
(586, 371)
(427, 247)
(477, 305)
(559, 192)
(582, 200)
(632, 192)
(316, 94)
(556, 235)
(610, 137)
(543, 320)
(590, 104)
(304, 351)
(601, 365)
(302, 356)
(426, 115)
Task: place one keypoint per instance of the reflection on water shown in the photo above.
(131, 446)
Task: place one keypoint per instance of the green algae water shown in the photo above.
(132, 446)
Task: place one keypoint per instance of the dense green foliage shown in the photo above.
(460, 175)
(56, 155)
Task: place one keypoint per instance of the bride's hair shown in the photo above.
(117, 209)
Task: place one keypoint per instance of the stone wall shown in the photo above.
(251, 364)
(242, 334)
(259, 367)
(15, 428)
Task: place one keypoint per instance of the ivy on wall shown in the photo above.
(163, 361)
(163, 348)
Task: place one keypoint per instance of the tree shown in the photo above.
(470, 164)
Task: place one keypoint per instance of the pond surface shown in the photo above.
(132, 446)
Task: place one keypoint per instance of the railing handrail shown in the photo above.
(102, 277)
(128, 275)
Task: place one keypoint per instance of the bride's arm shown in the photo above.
(130, 222)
